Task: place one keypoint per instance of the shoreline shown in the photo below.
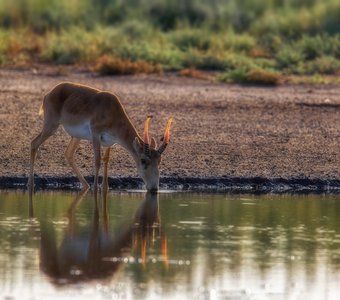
(252, 185)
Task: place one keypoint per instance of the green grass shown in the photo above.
(253, 76)
(243, 41)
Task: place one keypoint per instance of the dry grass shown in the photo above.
(262, 76)
(194, 73)
(258, 53)
(110, 65)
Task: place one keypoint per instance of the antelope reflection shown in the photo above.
(97, 253)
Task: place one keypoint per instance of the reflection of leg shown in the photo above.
(106, 159)
(46, 132)
(30, 205)
(69, 154)
(97, 162)
(71, 209)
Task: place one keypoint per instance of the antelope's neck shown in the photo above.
(127, 137)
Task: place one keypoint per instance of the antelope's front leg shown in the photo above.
(69, 155)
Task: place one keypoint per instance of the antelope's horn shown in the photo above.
(166, 137)
(146, 137)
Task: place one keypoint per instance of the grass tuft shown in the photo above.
(262, 76)
(194, 73)
(110, 65)
(253, 76)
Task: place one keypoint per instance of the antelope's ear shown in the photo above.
(153, 144)
(137, 145)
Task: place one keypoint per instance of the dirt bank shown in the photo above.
(219, 131)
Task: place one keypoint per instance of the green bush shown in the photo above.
(167, 14)
(286, 18)
(238, 42)
(323, 65)
(236, 76)
(289, 57)
(311, 47)
(204, 61)
(190, 38)
(233, 37)
(270, 42)
(69, 47)
(253, 76)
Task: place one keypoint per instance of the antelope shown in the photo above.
(90, 114)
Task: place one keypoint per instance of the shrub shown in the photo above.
(190, 38)
(311, 47)
(238, 42)
(134, 29)
(72, 46)
(167, 14)
(288, 57)
(242, 62)
(205, 61)
(262, 76)
(152, 51)
(256, 76)
(236, 76)
(109, 65)
(270, 42)
(19, 46)
(323, 65)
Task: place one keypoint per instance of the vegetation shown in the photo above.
(109, 65)
(244, 41)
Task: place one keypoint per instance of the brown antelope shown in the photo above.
(90, 114)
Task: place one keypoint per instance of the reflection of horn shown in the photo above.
(143, 250)
(165, 251)
(166, 137)
(146, 137)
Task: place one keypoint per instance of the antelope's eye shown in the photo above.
(143, 161)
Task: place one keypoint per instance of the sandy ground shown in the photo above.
(219, 130)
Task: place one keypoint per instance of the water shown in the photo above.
(171, 246)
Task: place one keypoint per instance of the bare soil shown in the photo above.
(219, 130)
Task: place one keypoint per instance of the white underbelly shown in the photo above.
(83, 131)
(80, 131)
(107, 139)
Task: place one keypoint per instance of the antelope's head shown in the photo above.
(149, 156)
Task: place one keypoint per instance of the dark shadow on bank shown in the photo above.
(256, 185)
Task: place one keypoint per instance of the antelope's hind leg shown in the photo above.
(48, 130)
(69, 155)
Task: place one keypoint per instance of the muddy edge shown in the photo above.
(230, 185)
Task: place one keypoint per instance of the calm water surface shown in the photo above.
(170, 246)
